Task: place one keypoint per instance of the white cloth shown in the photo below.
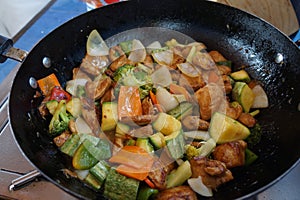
(16, 14)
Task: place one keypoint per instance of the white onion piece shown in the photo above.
(161, 77)
(166, 99)
(163, 57)
(198, 186)
(198, 135)
(138, 52)
(82, 174)
(72, 85)
(153, 46)
(82, 126)
(207, 147)
(260, 99)
(188, 69)
(95, 45)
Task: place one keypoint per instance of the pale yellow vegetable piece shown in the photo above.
(225, 129)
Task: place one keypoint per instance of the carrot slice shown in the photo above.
(47, 83)
(139, 174)
(149, 183)
(155, 102)
(133, 156)
(176, 89)
(153, 97)
(129, 102)
(134, 162)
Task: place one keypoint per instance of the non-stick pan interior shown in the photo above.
(242, 38)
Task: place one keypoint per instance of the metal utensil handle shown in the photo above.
(22, 180)
(8, 51)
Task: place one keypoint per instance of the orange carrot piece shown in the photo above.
(139, 174)
(129, 102)
(213, 77)
(176, 89)
(153, 97)
(149, 183)
(133, 156)
(155, 102)
(47, 83)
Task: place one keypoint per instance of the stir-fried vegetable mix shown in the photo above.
(166, 120)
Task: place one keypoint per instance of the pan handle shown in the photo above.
(8, 51)
(22, 180)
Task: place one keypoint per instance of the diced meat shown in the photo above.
(191, 82)
(158, 174)
(94, 65)
(96, 89)
(147, 106)
(247, 119)
(224, 70)
(119, 62)
(108, 96)
(210, 99)
(233, 110)
(177, 59)
(144, 131)
(217, 56)
(90, 114)
(195, 123)
(227, 84)
(183, 192)
(213, 172)
(61, 139)
(140, 120)
(231, 153)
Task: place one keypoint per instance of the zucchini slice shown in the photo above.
(243, 94)
(225, 129)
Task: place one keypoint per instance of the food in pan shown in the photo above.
(154, 122)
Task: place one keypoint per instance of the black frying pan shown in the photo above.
(241, 37)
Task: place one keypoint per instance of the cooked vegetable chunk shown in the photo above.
(60, 119)
(225, 129)
(118, 186)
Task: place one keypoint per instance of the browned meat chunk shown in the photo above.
(144, 131)
(191, 82)
(210, 99)
(177, 59)
(140, 120)
(119, 62)
(233, 110)
(213, 172)
(183, 192)
(61, 139)
(147, 106)
(247, 119)
(108, 96)
(94, 65)
(159, 172)
(227, 84)
(231, 153)
(217, 56)
(96, 89)
(195, 123)
(91, 114)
